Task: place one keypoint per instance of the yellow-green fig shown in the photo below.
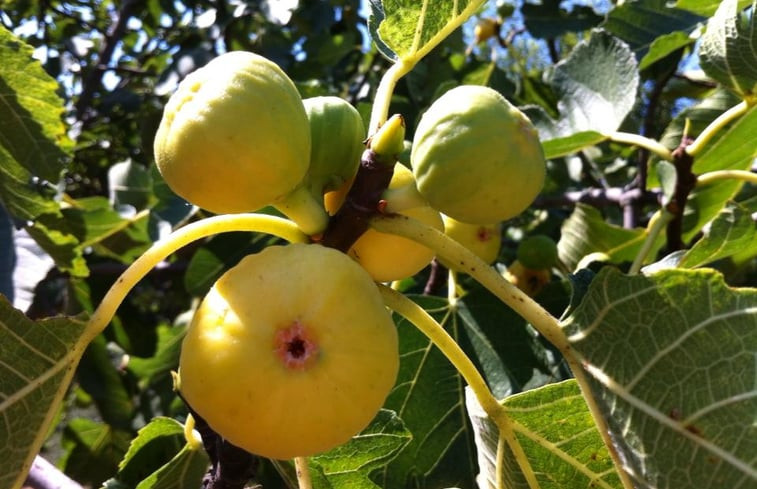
(476, 157)
(389, 257)
(234, 137)
(291, 353)
(484, 240)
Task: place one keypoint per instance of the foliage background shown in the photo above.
(85, 200)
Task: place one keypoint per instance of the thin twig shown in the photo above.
(44, 475)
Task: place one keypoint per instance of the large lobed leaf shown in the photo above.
(670, 358)
(729, 48)
(37, 360)
(557, 433)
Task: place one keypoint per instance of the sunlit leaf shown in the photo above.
(641, 22)
(670, 359)
(37, 360)
(728, 52)
(408, 29)
(663, 46)
(563, 146)
(705, 7)
(557, 433)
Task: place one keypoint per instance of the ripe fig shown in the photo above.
(234, 137)
(476, 157)
(337, 134)
(482, 239)
(291, 353)
(388, 257)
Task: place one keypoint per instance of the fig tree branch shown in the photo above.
(44, 475)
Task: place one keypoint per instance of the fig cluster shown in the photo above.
(292, 352)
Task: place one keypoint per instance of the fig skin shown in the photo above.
(476, 157)
(337, 141)
(388, 257)
(484, 240)
(291, 353)
(537, 252)
(234, 137)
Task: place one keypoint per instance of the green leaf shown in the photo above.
(641, 22)
(130, 184)
(429, 398)
(670, 358)
(732, 232)
(185, 470)
(166, 356)
(557, 147)
(586, 232)
(596, 85)
(31, 130)
(51, 233)
(557, 433)
(734, 150)
(409, 29)
(548, 20)
(663, 46)
(349, 465)
(728, 52)
(37, 360)
(94, 450)
(705, 7)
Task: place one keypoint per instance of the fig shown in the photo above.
(291, 353)
(482, 239)
(537, 252)
(235, 136)
(530, 280)
(388, 257)
(476, 157)
(337, 136)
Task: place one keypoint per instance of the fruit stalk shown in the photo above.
(547, 325)
(449, 347)
(282, 228)
(714, 176)
(716, 126)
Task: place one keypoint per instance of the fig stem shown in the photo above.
(657, 223)
(547, 325)
(301, 207)
(383, 98)
(449, 347)
(715, 176)
(303, 473)
(716, 126)
(159, 251)
(642, 142)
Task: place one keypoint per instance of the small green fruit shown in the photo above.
(337, 134)
(531, 281)
(291, 353)
(537, 252)
(476, 157)
(234, 137)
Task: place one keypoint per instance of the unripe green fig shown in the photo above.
(234, 137)
(476, 157)
(291, 353)
(389, 257)
(337, 141)
(482, 239)
(537, 252)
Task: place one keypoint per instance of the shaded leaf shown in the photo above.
(563, 146)
(549, 20)
(429, 398)
(670, 359)
(349, 465)
(37, 360)
(586, 232)
(733, 231)
(734, 150)
(663, 46)
(557, 433)
(728, 52)
(641, 22)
